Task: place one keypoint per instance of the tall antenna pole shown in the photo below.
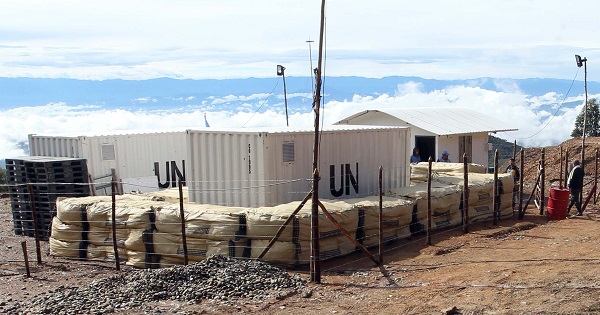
(585, 106)
(315, 257)
(312, 81)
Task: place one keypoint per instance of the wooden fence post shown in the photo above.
(381, 214)
(114, 222)
(496, 198)
(36, 233)
(428, 238)
(182, 215)
(543, 182)
(465, 213)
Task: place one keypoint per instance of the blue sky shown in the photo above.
(199, 39)
(236, 39)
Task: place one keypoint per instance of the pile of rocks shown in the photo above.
(216, 278)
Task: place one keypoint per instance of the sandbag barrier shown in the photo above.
(149, 228)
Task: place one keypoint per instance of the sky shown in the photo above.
(437, 39)
(197, 39)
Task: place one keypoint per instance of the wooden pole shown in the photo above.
(428, 238)
(560, 180)
(380, 254)
(36, 233)
(596, 173)
(566, 167)
(521, 182)
(26, 258)
(496, 198)
(114, 222)
(515, 150)
(537, 182)
(315, 255)
(543, 182)
(465, 214)
(182, 215)
(282, 227)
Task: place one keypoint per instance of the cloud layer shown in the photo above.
(540, 121)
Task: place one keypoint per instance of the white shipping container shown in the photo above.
(135, 157)
(269, 167)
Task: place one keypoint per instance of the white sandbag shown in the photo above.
(280, 252)
(330, 248)
(68, 210)
(136, 259)
(66, 232)
(59, 248)
(389, 234)
(203, 221)
(171, 246)
(395, 211)
(418, 172)
(130, 214)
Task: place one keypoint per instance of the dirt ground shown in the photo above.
(534, 266)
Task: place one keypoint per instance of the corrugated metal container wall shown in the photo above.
(55, 146)
(256, 169)
(226, 168)
(138, 155)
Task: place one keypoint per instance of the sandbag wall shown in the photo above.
(149, 228)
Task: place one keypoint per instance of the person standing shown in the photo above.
(444, 157)
(575, 184)
(513, 170)
(415, 157)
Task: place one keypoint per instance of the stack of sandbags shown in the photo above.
(396, 213)
(418, 171)
(79, 231)
(264, 222)
(209, 229)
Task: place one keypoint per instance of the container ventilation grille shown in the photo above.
(108, 152)
(288, 152)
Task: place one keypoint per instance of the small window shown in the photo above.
(288, 152)
(108, 152)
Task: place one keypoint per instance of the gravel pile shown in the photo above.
(216, 278)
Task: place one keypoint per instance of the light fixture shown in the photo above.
(580, 61)
(280, 70)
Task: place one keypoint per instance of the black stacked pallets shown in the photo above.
(49, 178)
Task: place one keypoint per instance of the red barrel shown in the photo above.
(558, 203)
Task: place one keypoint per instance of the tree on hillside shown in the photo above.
(592, 127)
(3, 181)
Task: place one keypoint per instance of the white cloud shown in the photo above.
(536, 127)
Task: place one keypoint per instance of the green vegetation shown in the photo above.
(592, 124)
(3, 181)
(505, 150)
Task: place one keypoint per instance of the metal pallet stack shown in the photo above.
(50, 178)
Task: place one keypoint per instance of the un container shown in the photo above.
(254, 168)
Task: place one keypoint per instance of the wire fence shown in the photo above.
(148, 227)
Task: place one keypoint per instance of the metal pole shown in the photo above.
(114, 223)
(315, 258)
(36, 233)
(287, 122)
(521, 182)
(466, 195)
(381, 214)
(182, 215)
(543, 182)
(560, 180)
(596, 172)
(496, 198)
(566, 167)
(585, 106)
(428, 239)
(515, 150)
(26, 258)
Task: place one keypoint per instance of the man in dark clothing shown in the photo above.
(575, 184)
(513, 170)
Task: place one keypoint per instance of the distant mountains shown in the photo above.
(166, 93)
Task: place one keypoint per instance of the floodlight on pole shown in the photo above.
(583, 62)
(281, 72)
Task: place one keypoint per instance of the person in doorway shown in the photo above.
(575, 184)
(444, 157)
(415, 157)
(513, 170)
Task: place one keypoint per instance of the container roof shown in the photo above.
(332, 128)
(439, 120)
